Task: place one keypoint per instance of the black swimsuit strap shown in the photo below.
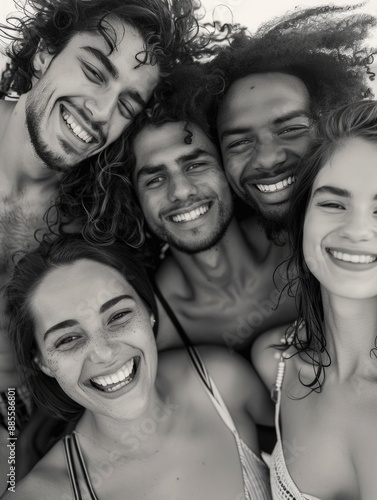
(190, 348)
(69, 451)
(172, 316)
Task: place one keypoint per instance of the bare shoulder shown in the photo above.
(265, 354)
(48, 479)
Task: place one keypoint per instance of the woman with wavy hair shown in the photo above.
(323, 370)
(83, 319)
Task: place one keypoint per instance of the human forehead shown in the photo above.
(352, 166)
(169, 143)
(263, 97)
(65, 292)
(129, 46)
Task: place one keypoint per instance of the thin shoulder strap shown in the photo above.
(71, 467)
(172, 316)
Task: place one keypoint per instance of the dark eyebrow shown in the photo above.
(72, 322)
(103, 59)
(234, 131)
(59, 326)
(110, 303)
(336, 191)
(289, 116)
(193, 155)
(332, 190)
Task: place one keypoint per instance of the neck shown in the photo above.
(20, 166)
(221, 265)
(351, 330)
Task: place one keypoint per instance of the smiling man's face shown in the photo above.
(86, 97)
(264, 129)
(182, 188)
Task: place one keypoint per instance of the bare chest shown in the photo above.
(235, 315)
(20, 218)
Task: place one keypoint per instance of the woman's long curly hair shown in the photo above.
(94, 195)
(28, 275)
(354, 120)
(323, 46)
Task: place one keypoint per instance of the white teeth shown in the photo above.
(121, 377)
(75, 128)
(194, 214)
(271, 188)
(355, 259)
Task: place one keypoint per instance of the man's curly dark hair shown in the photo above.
(322, 46)
(94, 194)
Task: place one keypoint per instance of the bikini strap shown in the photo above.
(71, 466)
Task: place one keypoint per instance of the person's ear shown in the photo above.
(41, 60)
(153, 320)
(45, 369)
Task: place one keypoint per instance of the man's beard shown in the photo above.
(273, 223)
(194, 247)
(52, 160)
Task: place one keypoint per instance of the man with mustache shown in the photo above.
(83, 69)
(275, 85)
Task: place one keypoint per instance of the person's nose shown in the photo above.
(269, 154)
(359, 225)
(103, 350)
(181, 188)
(101, 107)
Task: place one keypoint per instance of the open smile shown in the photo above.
(279, 186)
(75, 128)
(115, 381)
(191, 214)
(352, 258)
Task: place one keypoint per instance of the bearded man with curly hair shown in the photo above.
(276, 83)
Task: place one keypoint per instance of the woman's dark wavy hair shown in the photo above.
(323, 46)
(354, 120)
(94, 195)
(28, 276)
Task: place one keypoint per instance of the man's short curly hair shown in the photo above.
(322, 46)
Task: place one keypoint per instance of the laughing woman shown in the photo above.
(325, 383)
(83, 322)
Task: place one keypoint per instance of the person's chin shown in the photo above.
(273, 220)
